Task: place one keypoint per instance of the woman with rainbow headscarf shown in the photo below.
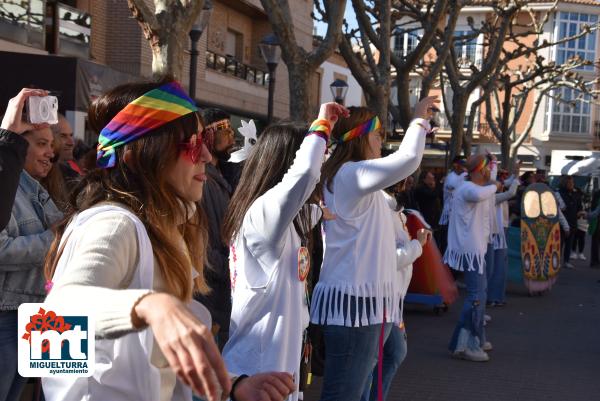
(132, 251)
(357, 298)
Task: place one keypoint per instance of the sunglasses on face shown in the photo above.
(193, 147)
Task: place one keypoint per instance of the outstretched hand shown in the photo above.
(332, 112)
(273, 386)
(13, 118)
(187, 344)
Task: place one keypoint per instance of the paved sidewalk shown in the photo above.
(545, 348)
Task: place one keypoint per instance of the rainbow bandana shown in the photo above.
(481, 165)
(146, 113)
(360, 130)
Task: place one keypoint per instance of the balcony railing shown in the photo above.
(75, 28)
(29, 23)
(23, 22)
(229, 65)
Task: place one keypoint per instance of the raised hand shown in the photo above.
(332, 111)
(13, 118)
(423, 109)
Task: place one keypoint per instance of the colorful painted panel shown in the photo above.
(540, 237)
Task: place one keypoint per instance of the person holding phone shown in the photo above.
(26, 237)
(13, 149)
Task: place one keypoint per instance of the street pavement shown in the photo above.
(545, 348)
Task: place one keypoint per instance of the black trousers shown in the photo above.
(568, 239)
(595, 259)
(579, 241)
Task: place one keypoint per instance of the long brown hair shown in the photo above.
(353, 150)
(142, 187)
(269, 160)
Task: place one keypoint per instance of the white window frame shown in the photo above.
(569, 49)
(406, 35)
(562, 117)
(478, 48)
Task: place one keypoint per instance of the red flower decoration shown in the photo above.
(44, 321)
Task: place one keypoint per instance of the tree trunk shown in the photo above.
(505, 150)
(403, 96)
(459, 111)
(300, 91)
(167, 55)
(166, 28)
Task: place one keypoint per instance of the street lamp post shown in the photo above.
(339, 88)
(195, 35)
(271, 52)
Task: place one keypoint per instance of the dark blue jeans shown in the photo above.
(11, 383)
(497, 280)
(394, 352)
(473, 311)
(350, 356)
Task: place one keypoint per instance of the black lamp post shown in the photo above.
(271, 52)
(339, 88)
(195, 35)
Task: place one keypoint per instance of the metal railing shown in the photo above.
(23, 22)
(229, 65)
(28, 22)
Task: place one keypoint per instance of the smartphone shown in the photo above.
(42, 109)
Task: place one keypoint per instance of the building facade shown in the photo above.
(230, 71)
(557, 125)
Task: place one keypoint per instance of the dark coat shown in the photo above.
(215, 200)
(13, 150)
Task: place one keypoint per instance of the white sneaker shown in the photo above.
(473, 355)
(487, 346)
(574, 256)
(487, 318)
(582, 256)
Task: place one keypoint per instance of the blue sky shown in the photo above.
(350, 17)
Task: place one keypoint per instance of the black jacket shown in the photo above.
(573, 205)
(429, 204)
(215, 200)
(13, 150)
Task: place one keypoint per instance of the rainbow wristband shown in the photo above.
(322, 126)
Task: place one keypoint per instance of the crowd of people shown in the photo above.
(209, 278)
